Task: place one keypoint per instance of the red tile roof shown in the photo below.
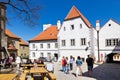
(74, 13)
(22, 42)
(10, 34)
(49, 34)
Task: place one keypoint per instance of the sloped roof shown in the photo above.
(11, 47)
(74, 13)
(10, 34)
(22, 42)
(48, 34)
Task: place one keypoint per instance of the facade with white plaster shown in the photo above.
(46, 46)
(77, 37)
(109, 40)
(76, 41)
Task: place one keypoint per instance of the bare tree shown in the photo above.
(25, 10)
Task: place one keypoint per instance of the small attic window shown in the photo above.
(64, 29)
(109, 24)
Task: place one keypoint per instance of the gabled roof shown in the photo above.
(108, 21)
(10, 34)
(48, 34)
(22, 42)
(74, 13)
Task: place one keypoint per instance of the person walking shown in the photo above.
(78, 64)
(71, 63)
(63, 64)
(67, 66)
(90, 63)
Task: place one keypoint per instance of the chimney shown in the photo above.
(58, 24)
(97, 23)
(45, 26)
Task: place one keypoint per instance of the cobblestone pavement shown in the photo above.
(106, 71)
(71, 76)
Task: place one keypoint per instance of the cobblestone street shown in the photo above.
(62, 76)
(107, 71)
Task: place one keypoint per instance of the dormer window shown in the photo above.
(64, 29)
(109, 24)
(72, 27)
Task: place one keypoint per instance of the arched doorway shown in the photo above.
(110, 58)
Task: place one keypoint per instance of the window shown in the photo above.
(117, 57)
(64, 29)
(33, 46)
(112, 42)
(22, 55)
(33, 54)
(63, 43)
(41, 55)
(72, 42)
(56, 45)
(80, 26)
(109, 24)
(72, 27)
(41, 45)
(25, 54)
(83, 41)
(48, 45)
(49, 56)
(23, 47)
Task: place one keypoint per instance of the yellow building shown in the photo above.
(23, 48)
(15, 45)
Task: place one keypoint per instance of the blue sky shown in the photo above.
(52, 10)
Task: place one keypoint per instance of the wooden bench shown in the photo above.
(51, 76)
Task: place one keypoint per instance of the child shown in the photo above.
(67, 66)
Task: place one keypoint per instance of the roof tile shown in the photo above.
(10, 34)
(48, 34)
(22, 42)
(74, 13)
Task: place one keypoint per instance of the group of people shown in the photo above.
(6, 62)
(67, 65)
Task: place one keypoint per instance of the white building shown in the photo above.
(45, 43)
(109, 44)
(75, 36)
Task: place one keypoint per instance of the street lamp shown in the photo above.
(98, 29)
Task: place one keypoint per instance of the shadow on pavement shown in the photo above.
(106, 71)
